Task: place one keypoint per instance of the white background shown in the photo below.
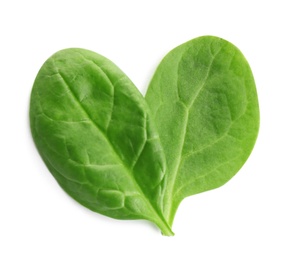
(252, 217)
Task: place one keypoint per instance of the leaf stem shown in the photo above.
(165, 228)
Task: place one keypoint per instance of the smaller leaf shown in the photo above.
(204, 102)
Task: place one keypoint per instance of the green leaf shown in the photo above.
(94, 131)
(204, 102)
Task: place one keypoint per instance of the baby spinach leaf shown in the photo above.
(94, 131)
(204, 102)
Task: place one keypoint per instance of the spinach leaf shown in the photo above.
(204, 102)
(94, 131)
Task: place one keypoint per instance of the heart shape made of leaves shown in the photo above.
(129, 157)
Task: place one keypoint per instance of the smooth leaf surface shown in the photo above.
(204, 102)
(94, 131)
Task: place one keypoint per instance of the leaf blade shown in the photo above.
(205, 108)
(93, 130)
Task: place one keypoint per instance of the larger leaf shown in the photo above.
(204, 102)
(94, 131)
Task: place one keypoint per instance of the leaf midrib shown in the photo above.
(174, 173)
(137, 186)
